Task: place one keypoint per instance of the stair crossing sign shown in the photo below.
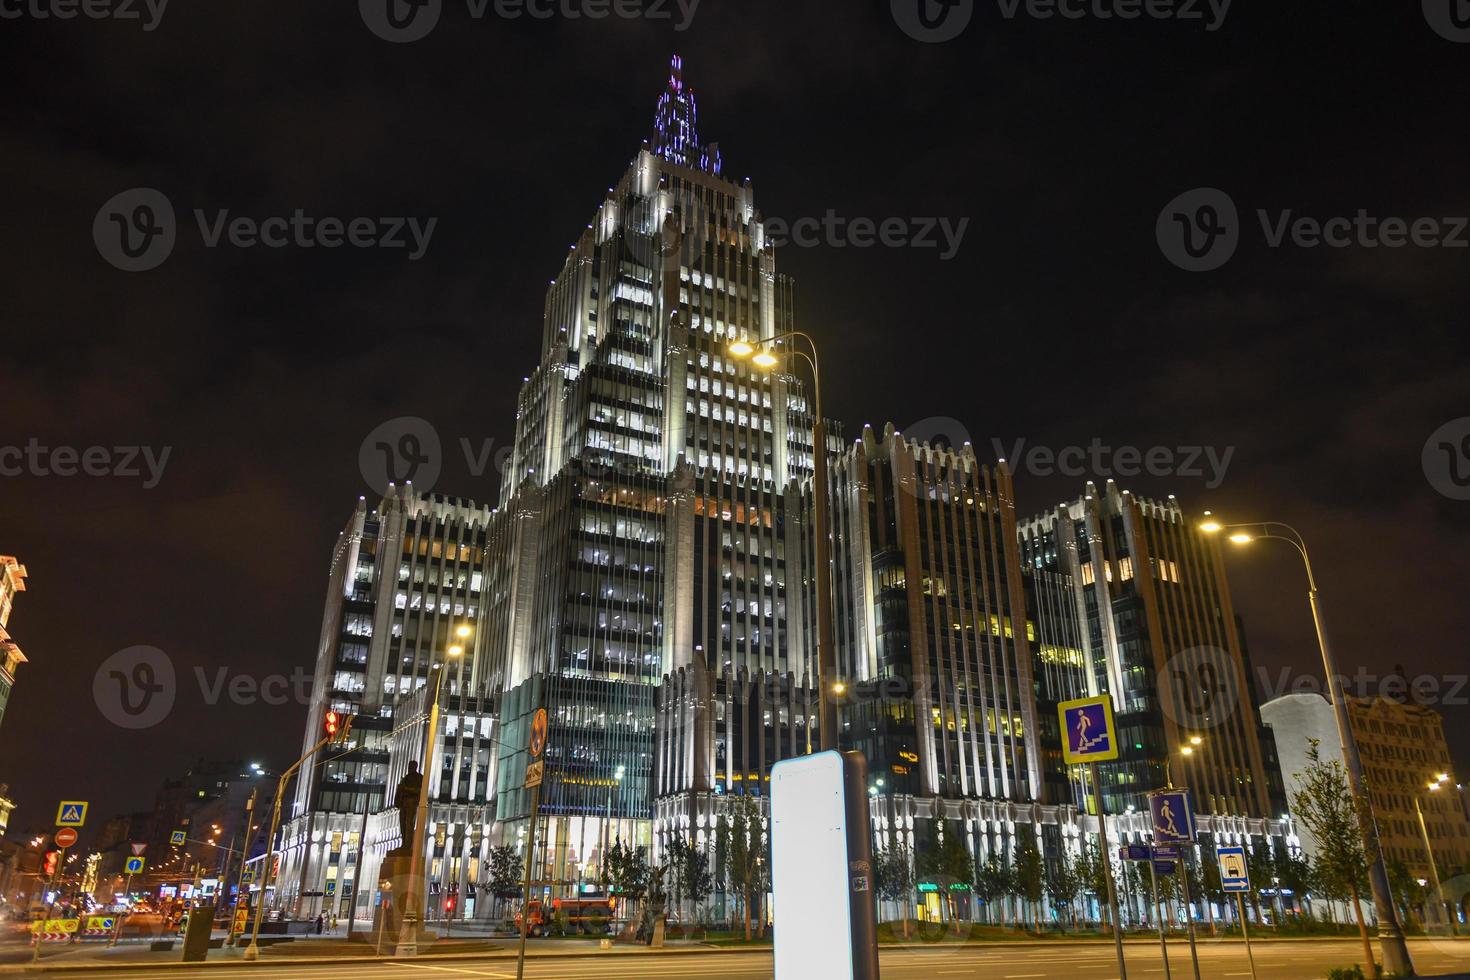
(1089, 733)
(71, 813)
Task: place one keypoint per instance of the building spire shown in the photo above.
(676, 126)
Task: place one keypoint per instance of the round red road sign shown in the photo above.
(66, 837)
(539, 727)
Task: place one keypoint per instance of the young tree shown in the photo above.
(1326, 806)
(628, 871)
(689, 872)
(744, 843)
(993, 882)
(1062, 884)
(894, 870)
(1408, 894)
(945, 860)
(1030, 874)
(503, 870)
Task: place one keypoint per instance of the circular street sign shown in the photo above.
(66, 837)
(538, 733)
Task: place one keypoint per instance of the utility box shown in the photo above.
(822, 883)
(196, 938)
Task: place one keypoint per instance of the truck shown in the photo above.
(583, 915)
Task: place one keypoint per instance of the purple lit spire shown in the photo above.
(676, 126)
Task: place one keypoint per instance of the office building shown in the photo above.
(12, 583)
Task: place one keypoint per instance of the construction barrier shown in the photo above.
(99, 927)
(54, 930)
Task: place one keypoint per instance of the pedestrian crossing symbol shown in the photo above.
(1090, 734)
(177, 838)
(71, 813)
(134, 865)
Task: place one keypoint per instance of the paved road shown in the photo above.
(1218, 961)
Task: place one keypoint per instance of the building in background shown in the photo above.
(12, 583)
(648, 578)
(1404, 752)
(1162, 638)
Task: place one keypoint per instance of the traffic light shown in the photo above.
(338, 726)
(52, 859)
(449, 904)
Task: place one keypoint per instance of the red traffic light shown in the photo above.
(449, 905)
(51, 860)
(334, 723)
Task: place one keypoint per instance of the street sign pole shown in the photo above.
(1189, 910)
(117, 930)
(1246, 932)
(1153, 870)
(1107, 856)
(535, 774)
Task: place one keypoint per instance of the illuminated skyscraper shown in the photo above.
(12, 582)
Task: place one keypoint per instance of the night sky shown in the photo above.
(1060, 320)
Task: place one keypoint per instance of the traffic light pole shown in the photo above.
(252, 952)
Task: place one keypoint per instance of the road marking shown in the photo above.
(453, 969)
(1022, 976)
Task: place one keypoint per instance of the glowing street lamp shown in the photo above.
(766, 360)
(1396, 959)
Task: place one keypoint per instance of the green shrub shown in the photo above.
(1353, 972)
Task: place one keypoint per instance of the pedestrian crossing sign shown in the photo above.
(178, 837)
(1088, 731)
(71, 813)
(134, 865)
(249, 876)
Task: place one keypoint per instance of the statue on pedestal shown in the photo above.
(406, 799)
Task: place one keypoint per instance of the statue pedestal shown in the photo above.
(388, 917)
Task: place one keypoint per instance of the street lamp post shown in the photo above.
(414, 894)
(1439, 901)
(1396, 959)
(826, 652)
